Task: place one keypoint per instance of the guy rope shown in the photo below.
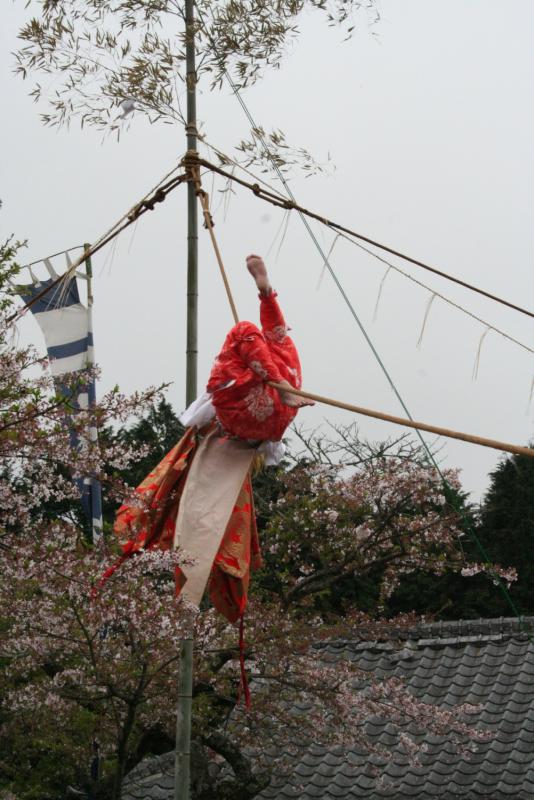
(191, 163)
(409, 423)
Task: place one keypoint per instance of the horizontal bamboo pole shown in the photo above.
(408, 423)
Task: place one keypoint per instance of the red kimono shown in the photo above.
(247, 409)
(245, 406)
(152, 524)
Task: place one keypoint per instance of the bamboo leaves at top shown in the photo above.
(103, 53)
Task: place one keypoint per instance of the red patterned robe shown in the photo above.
(151, 525)
(245, 408)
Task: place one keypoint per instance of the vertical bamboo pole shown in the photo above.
(192, 215)
(96, 491)
(183, 723)
(185, 694)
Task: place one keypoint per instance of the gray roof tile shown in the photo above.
(486, 662)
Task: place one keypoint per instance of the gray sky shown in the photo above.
(428, 120)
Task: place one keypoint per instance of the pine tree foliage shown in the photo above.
(507, 525)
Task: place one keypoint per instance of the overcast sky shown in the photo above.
(428, 119)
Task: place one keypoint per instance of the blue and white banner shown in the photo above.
(68, 331)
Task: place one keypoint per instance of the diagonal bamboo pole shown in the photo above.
(204, 201)
(409, 423)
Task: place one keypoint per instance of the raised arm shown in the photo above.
(273, 323)
(272, 320)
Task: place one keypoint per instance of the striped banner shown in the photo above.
(68, 332)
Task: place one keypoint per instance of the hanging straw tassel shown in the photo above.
(321, 276)
(379, 295)
(477, 359)
(280, 233)
(283, 237)
(530, 396)
(227, 195)
(427, 312)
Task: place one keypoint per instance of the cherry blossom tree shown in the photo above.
(115, 658)
(38, 470)
(389, 518)
(38, 464)
(394, 516)
(86, 662)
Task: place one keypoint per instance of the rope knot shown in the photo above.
(205, 202)
(190, 161)
(134, 213)
(158, 197)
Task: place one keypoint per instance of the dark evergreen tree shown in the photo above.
(507, 526)
(505, 530)
(160, 429)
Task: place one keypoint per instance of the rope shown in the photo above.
(410, 423)
(59, 253)
(291, 204)
(433, 292)
(147, 203)
(242, 667)
(227, 158)
(446, 486)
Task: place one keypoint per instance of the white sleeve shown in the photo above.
(199, 413)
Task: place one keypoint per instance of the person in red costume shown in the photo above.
(199, 497)
(245, 405)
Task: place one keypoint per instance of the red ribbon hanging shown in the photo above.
(244, 682)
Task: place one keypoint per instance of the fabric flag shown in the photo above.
(68, 331)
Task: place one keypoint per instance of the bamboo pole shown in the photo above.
(183, 723)
(96, 491)
(192, 211)
(408, 423)
(204, 201)
(185, 694)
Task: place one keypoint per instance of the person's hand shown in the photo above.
(292, 400)
(258, 270)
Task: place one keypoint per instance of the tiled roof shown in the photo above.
(152, 779)
(483, 662)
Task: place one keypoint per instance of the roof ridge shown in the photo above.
(474, 627)
(478, 629)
